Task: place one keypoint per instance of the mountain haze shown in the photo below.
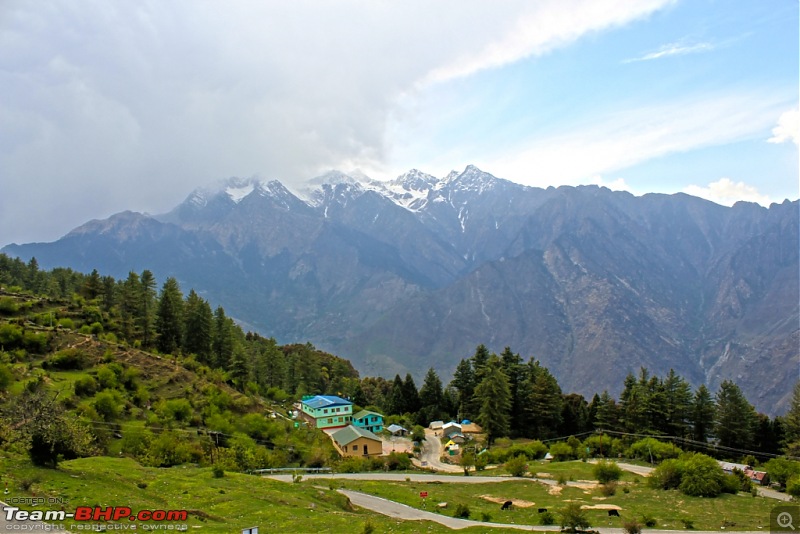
(414, 273)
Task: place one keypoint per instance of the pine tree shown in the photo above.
(431, 398)
(479, 360)
(169, 317)
(678, 402)
(130, 306)
(411, 395)
(515, 370)
(791, 424)
(494, 397)
(396, 402)
(147, 308)
(544, 402)
(607, 416)
(464, 384)
(198, 327)
(702, 414)
(736, 418)
(222, 339)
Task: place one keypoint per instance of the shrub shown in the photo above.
(108, 404)
(573, 517)
(517, 466)
(462, 511)
(780, 470)
(85, 386)
(631, 526)
(702, 476)
(217, 471)
(486, 517)
(793, 486)
(397, 461)
(667, 475)
(688, 524)
(652, 450)
(561, 451)
(66, 360)
(649, 521)
(8, 306)
(606, 471)
(547, 518)
(609, 489)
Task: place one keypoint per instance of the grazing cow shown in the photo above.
(613, 513)
(542, 510)
(506, 505)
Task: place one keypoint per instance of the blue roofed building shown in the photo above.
(326, 411)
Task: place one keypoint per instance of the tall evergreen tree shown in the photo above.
(222, 340)
(702, 414)
(147, 308)
(494, 396)
(736, 418)
(677, 404)
(411, 395)
(575, 417)
(169, 318)
(544, 402)
(198, 327)
(396, 402)
(515, 370)
(479, 360)
(464, 384)
(431, 398)
(129, 306)
(791, 424)
(607, 416)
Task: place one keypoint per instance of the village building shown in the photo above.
(326, 411)
(367, 420)
(355, 441)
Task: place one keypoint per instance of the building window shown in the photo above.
(325, 410)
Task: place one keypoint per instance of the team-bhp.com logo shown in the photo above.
(95, 513)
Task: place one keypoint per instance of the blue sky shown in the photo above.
(107, 106)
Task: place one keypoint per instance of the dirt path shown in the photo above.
(431, 454)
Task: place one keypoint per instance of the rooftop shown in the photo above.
(351, 433)
(324, 401)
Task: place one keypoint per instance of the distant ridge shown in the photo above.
(414, 272)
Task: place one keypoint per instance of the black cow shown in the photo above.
(506, 505)
(542, 510)
(613, 513)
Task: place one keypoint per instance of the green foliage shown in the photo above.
(168, 449)
(702, 476)
(573, 518)
(462, 511)
(780, 470)
(609, 489)
(667, 475)
(136, 442)
(606, 471)
(67, 359)
(652, 450)
(547, 518)
(649, 521)
(8, 306)
(177, 410)
(46, 431)
(108, 404)
(631, 526)
(85, 386)
(6, 377)
(793, 486)
(561, 451)
(517, 466)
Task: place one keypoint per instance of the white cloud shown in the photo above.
(617, 184)
(540, 28)
(788, 128)
(727, 192)
(616, 141)
(674, 49)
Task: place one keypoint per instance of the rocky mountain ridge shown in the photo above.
(415, 272)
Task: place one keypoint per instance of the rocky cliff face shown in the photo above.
(414, 273)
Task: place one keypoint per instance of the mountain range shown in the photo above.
(402, 275)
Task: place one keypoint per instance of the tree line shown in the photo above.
(506, 395)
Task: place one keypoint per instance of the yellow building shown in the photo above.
(354, 441)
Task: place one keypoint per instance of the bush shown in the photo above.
(688, 524)
(609, 489)
(649, 521)
(561, 451)
(66, 360)
(547, 518)
(631, 526)
(108, 404)
(780, 470)
(217, 471)
(652, 450)
(85, 386)
(667, 475)
(702, 476)
(606, 471)
(517, 466)
(573, 518)
(793, 486)
(398, 461)
(462, 511)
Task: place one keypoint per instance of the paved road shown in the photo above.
(407, 513)
(431, 454)
(401, 511)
